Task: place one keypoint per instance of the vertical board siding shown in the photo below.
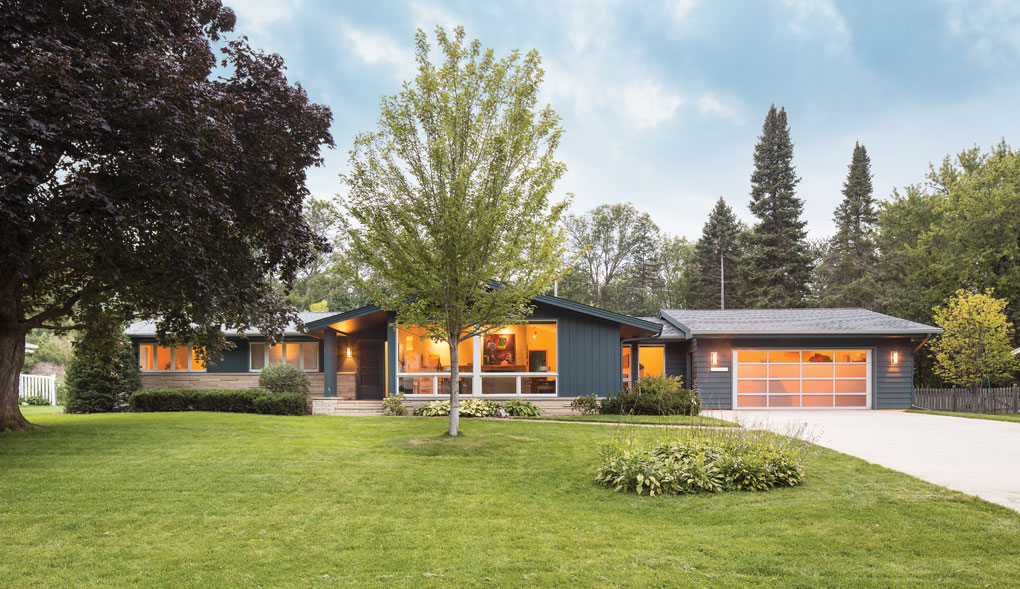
(676, 361)
(892, 387)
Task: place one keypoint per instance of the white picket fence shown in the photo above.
(35, 385)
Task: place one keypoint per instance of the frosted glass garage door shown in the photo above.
(809, 379)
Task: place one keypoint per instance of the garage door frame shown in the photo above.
(870, 376)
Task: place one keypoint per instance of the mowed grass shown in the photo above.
(699, 420)
(1015, 417)
(212, 500)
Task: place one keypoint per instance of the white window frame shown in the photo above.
(477, 375)
(301, 354)
(155, 348)
(868, 378)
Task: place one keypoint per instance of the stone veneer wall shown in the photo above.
(239, 380)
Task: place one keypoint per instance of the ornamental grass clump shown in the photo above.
(706, 461)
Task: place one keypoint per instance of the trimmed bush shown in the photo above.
(654, 395)
(37, 400)
(394, 405)
(521, 408)
(283, 378)
(224, 400)
(741, 461)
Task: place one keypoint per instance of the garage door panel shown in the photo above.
(851, 386)
(748, 401)
(817, 386)
(784, 400)
(782, 387)
(817, 371)
(851, 400)
(806, 378)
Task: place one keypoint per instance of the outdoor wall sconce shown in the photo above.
(895, 358)
(715, 358)
(349, 352)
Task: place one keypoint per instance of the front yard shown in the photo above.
(206, 499)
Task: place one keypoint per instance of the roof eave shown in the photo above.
(600, 313)
(933, 331)
(333, 319)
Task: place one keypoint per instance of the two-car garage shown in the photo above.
(828, 378)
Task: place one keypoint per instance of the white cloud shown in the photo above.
(647, 104)
(680, 9)
(379, 48)
(993, 28)
(819, 20)
(712, 105)
(256, 15)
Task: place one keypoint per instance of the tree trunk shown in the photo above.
(454, 387)
(12, 358)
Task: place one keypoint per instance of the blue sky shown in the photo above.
(663, 101)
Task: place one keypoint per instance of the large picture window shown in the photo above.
(516, 360)
(155, 358)
(304, 355)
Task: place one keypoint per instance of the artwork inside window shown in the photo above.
(499, 349)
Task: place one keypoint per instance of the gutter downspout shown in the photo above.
(924, 341)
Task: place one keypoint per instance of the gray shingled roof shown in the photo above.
(669, 331)
(143, 328)
(792, 321)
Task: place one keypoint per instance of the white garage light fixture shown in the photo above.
(895, 358)
(715, 358)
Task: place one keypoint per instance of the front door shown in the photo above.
(370, 369)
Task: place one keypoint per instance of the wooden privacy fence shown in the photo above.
(997, 400)
(35, 385)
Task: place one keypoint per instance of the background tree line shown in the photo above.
(959, 228)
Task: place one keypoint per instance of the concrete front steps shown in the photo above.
(323, 406)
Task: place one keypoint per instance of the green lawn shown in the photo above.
(1015, 417)
(205, 499)
(655, 419)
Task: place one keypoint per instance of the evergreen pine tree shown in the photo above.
(714, 283)
(777, 267)
(846, 276)
(103, 371)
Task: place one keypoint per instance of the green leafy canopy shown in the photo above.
(452, 192)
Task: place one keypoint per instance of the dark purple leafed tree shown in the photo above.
(136, 182)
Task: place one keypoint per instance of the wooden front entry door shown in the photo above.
(370, 370)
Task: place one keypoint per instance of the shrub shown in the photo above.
(283, 378)
(36, 400)
(520, 408)
(394, 405)
(480, 408)
(468, 408)
(654, 395)
(739, 461)
(103, 370)
(225, 400)
(433, 409)
(585, 404)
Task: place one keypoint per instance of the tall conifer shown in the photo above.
(715, 283)
(777, 266)
(846, 276)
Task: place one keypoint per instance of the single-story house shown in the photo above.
(779, 358)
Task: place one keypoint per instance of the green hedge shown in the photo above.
(227, 400)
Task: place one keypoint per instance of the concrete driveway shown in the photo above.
(977, 456)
